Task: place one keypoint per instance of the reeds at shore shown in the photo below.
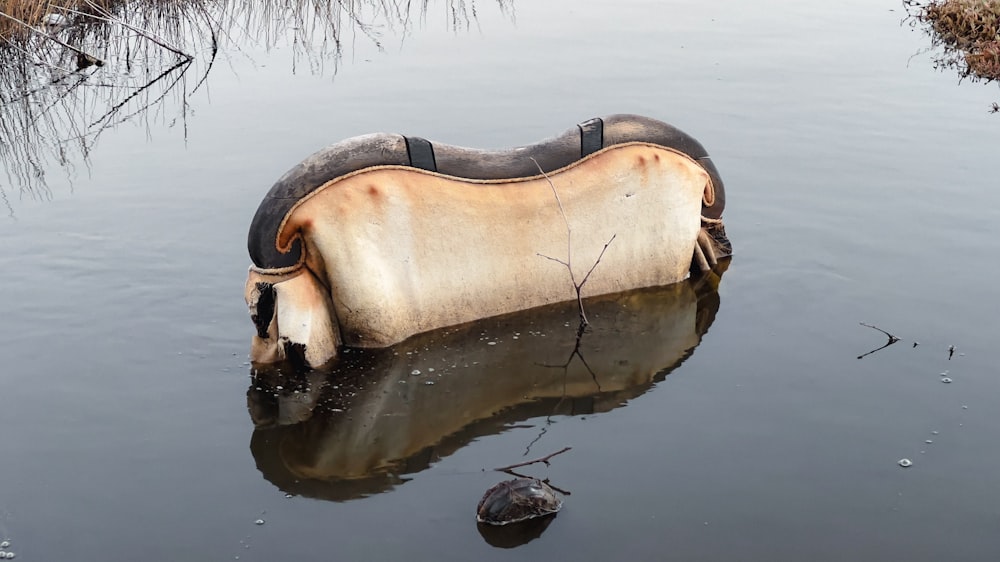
(967, 30)
(70, 70)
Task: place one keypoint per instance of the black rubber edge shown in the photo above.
(591, 136)
(389, 149)
(421, 153)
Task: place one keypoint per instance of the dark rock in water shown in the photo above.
(516, 500)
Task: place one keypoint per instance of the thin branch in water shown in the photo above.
(544, 459)
(593, 267)
(107, 16)
(578, 287)
(892, 339)
(51, 38)
(519, 475)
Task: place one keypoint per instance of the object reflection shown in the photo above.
(374, 416)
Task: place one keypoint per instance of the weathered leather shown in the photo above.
(383, 149)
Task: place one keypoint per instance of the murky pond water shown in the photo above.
(736, 425)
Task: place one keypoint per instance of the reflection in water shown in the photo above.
(965, 33)
(380, 414)
(70, 74)
(511, 536)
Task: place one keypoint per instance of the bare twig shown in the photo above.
(892, 339)
(587, 276)
(578, 287)
(107, 16)
(556, 488)
(544, 459)
(50, 37)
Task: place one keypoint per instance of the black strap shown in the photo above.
(591, 136)
(421, 153)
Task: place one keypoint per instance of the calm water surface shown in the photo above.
(862, 188)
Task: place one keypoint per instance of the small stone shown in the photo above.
(929, 441)
(491, 343)
(415, 372)
(905, 463)
(946, 380)
(261, 521)
(935, 432)
(4, 544)
(428, 383)
(964, 407)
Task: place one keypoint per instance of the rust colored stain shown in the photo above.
(372, 190)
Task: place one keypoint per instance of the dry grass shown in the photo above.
(967, 30)
(114, 61)
(30, 12)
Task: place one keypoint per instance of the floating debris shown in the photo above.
(905, 463)
(516, 500)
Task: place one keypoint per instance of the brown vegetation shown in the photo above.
(72, 69)
(969, 32)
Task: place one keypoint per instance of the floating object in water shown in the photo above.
(516, 500)
(905, 463)
(381, 237)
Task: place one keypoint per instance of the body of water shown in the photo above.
(861, 188)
